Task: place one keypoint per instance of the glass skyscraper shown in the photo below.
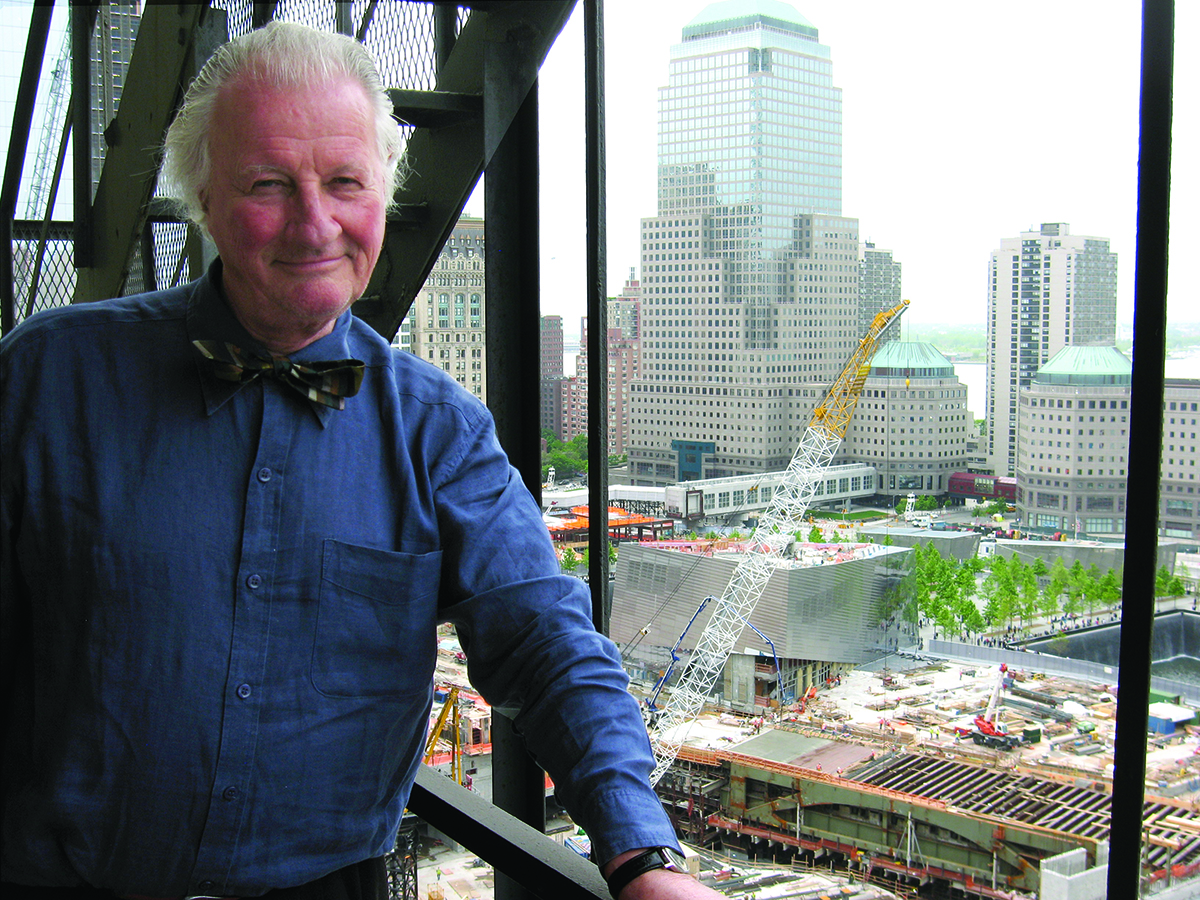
(750, 272)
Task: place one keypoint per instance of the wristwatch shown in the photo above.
(647, 861)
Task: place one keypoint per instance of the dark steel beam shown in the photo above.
(18, 141)
(83, 19)
(262, 12)
(445, 20)
(161, 57)
(511, 320)
(548, 869)
(1145, 445)
(435, 109)
(446, 161)
(597, 312)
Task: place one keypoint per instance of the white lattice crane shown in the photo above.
(776, 529)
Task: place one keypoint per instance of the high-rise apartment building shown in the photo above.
(1047, 289)
(550, 382)
(446, 318)
(749, 270)
(623, 348)
(878, 288)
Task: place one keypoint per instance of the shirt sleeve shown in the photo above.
(531, 647)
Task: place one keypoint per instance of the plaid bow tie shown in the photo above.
(327, 382)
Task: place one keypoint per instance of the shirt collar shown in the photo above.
(210, 317)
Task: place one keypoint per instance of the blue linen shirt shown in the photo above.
(220, 604)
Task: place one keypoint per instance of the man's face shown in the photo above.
(295, 204)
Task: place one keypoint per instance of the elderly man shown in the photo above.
(232, 519)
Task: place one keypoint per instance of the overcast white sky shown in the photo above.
(964, 123)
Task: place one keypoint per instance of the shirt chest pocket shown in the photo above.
(376, 621)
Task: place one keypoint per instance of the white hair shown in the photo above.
(285, 55)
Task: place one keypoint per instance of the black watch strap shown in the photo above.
(646, 861)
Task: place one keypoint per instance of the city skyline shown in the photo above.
(1064, 104)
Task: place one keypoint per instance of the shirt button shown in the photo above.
(254, 582)
(264, 474)
(231, 793)
(206, 886)
(244, 691)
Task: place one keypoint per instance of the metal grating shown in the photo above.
(56, 275)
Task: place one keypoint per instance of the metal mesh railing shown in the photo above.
(52, 268)
(400, 37)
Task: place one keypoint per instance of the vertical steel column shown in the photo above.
(18, 141)
(1145, 445)
(444, 20)
(343, 17)
(82, 17)
(512, 310)
(597, 313)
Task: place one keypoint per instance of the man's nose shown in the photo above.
(312, 215)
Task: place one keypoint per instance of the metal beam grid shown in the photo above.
(1016, 797)
(1007, 818)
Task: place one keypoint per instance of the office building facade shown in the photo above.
(1047, 289)
(446, 321)
(878, 288)
(749, 271)
(1073, 443)
(1179, 497)
(911, 423)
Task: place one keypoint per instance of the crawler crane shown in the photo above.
(988, 731)
(776, 529)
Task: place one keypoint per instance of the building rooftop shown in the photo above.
(1086, 365)
(727, 15)
(911, 359)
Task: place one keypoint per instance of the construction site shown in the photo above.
(883, 782)
(842, 737)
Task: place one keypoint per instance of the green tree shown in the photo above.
(995, 508)
(998, 589)
(925, 503)
(1027, 605)
(570, 560)
(1162, 581)
(1054, 589)
(1076, 588)
(1110, 588)
(815, 536)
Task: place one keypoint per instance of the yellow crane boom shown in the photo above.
(775, 531)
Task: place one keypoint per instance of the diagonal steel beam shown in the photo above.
(162, 56)
(551, 871)
(446, 158)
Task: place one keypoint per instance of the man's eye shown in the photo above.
(267, 184)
